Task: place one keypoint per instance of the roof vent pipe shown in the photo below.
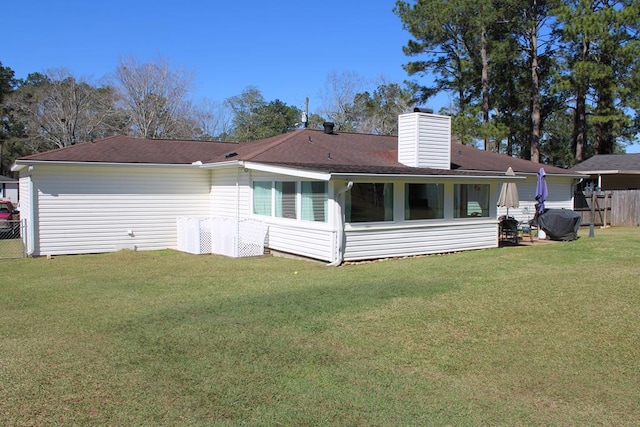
(423, 110)
(328, 127)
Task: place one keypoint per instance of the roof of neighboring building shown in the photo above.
(7, 180)
(610, 163)
(304, 148)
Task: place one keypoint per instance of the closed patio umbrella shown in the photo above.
(541, 190)
(509, 193)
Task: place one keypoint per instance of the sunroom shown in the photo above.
(350, 217)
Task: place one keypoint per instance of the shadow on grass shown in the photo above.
(269, 321)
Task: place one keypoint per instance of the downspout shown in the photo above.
(340, 232)
(238, 174)
(31, 232)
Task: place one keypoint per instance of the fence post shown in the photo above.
(593, 200)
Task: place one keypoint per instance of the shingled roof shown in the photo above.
(471, 158)
(127, 149)
(304, 149)
(611, 163)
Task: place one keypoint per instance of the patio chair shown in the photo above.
(528, 229)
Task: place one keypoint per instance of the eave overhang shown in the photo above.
(310, 173)
(611, 172)
(22, 164)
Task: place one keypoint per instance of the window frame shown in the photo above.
(311, 198)
(282, 199)
(384, 211)
(410, 212)
(462, 203)
(264, 190)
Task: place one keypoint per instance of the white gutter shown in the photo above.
(21, 164)
(403, 177)
(571, 174)
(340, 231)
(611, 172)
(284, 170)
(222, 165)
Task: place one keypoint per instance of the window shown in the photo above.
(314, 201)
(280, 199)
(471, 200)
(369, 202)
(423, 201)
(286, 199)
(262, 198)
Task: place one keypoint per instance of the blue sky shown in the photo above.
(285, 48)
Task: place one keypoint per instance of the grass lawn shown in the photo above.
(540, 335)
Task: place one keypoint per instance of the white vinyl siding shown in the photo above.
(230, 193)
(25, 198)
(312, 240)
(386, 242)
(26, 212)
(560, 196)
(424, 140)
(103, 209)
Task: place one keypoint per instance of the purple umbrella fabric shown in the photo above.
(541, 190)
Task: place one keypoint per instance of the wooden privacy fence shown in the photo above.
(625, 208)
(617, 208)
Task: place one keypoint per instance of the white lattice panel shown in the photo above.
(223, 236)
(206, 240)
(251, 235)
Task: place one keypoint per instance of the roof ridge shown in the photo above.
(281, 139)
(140, 138)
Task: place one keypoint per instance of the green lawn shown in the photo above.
(541, 335)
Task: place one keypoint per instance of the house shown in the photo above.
(561, 182)
(618, 178)
(612, 171)
(323, 195)
(9, 189)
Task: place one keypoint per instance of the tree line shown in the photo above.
(553, 81)
(55, 109)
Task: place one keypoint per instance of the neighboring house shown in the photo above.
(329, 196)
(612, 171)
(9, 189)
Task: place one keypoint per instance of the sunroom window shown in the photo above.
(423, 201)
(286, 199)
(314, 201)
(471, 200)
(262, 198)
(369, 202)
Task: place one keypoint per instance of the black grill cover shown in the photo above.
(560, 224)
